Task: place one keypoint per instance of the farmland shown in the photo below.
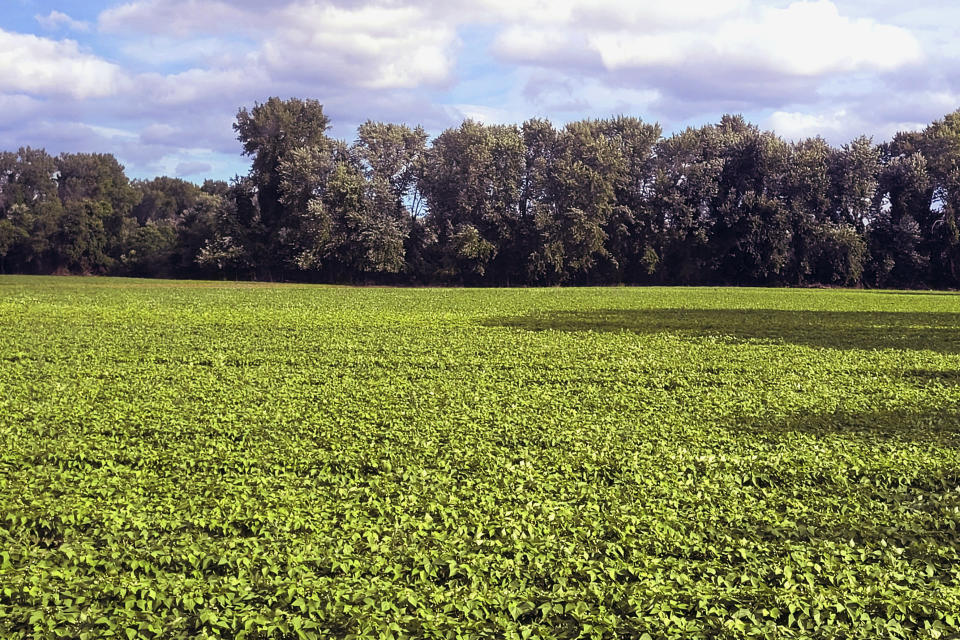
(207, 459)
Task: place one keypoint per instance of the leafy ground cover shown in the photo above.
(183, 460)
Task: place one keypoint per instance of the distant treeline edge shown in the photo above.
(594, 202)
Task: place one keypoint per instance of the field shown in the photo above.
(182, 460)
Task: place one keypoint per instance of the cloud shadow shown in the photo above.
(866, 330)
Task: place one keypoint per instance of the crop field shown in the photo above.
(206, 459)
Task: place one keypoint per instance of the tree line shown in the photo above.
(593, 202)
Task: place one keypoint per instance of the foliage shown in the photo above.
(597, 201)
(202, 459)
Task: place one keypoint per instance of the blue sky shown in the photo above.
(158, 82)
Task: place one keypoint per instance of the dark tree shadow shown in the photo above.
(928, 492)
(914, 292)
(869, 330)
(923, 377)
(935, 425)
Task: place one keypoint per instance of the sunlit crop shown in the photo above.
(182, 460)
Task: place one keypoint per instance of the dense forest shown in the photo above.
(594, 202)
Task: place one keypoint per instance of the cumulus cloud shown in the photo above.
(41, 66)
(198, 87)
(58, 20)
(837, 125)
(372, 46)
(710, 49)
(367, 45)
(17, 108)
(800, 66)
(174, 17)
(797, 125)
(802, 39)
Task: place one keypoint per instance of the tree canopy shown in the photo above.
(592, 202)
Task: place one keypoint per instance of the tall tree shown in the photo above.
(855, 169)
(805, 190)
(269, 133)
(96, 193)
(899, 248)
(164, 198)
(940, 143)
(633, 230)
(472, 185)
(686, 184)
(30, 209)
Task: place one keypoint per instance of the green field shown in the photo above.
(183, 460)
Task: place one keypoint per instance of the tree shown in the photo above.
(269, 133)
(838, 254)
(804, 188)
(749, 240)
(899, 249)
(854, 171)
(11, 235)
(149, 249)
(94, 186)
(686, 184)
(164, 198)
(632, 229)
(940, 144)
(588, 163)
(29, 208)
(472, 180)
(597, 201)
(234, 243)
(392, 157)
(81, 242)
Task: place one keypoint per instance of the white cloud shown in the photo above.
(837, 68)
(807, 38)
(16, 108)
(159, 51)
(161, 133)
(837, 126)
(605, 13)
(484, 114)
(199, 86)
(364, 45)
(173, 17)
(373, 47)
(58, 20)
(112, 133)
(797, 125)
(401, 44)
(812, 38)
(40, 66)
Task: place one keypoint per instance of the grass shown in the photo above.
(183, 460)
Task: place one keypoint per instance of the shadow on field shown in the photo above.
(924, 377)
(938, 426)
(913, 293)
(828, 329)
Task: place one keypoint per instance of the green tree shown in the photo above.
(234, 244)
(854, 171)
(164, 198)
(940, 144)
(270, 133)
(686, 184)
(899, 248)
(81, 242)
(471, 182)
(30, 209)
(805, 191)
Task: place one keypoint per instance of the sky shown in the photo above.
(158, 82)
